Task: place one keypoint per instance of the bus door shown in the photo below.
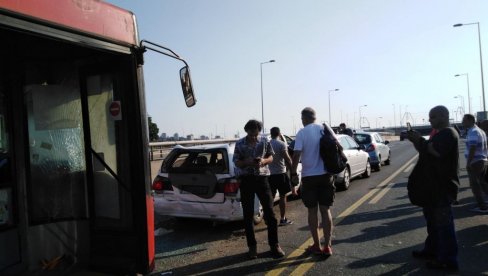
(10, 249)
(114, 159)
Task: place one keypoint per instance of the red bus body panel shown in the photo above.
(150, 231)
(88, 16)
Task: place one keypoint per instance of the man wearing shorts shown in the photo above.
(279, 180)
(318, 189)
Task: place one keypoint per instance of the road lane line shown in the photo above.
(381, 193)
(409, 168)
(305, 266)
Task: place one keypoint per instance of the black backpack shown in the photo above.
(330, 153)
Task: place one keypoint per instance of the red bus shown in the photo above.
(75, 181)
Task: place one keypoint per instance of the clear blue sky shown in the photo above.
(394, 56)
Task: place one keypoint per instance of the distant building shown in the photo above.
(217, 137)
(189, 137)
(163, 136)
(176, 136)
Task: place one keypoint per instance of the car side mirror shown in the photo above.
(187, 87)
(387, 142)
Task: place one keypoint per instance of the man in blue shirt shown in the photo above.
(476, 161)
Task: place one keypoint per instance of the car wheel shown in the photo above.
(367, 172)
(258, 217)
(387, 161)
(377, 167)
(346, 180)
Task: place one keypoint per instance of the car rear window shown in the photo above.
(362, 138)
(196, 161)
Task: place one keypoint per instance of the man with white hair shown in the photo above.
(318, 189)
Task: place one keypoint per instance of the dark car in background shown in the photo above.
(403, 135)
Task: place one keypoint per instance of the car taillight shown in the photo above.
(161, 184)
(371, 147)
(231, 186)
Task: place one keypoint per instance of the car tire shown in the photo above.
(387, 161)
(377, 167)
(258, 217)
(346, 180)
(367, 172)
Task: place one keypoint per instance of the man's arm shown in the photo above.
(288, 161)
(296, 159)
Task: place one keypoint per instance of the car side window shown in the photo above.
(180, 161)
(344, 143)
(378, 138)
(352, 143)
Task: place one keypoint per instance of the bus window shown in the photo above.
(57, 184)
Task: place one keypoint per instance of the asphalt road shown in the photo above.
(376, 230)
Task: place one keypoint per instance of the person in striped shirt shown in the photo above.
(476, 154)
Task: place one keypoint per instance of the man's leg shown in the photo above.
(326, 199)
(447, 249)
(263, 192)
(264, 195)
(283, 207)
(284, 188)
(313, 224)
(476, 179)
(327, 225)
(247, 201)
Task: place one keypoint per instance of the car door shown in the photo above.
(384, 151)
(351, 153)
(355, 156)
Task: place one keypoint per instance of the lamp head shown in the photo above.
(457, 25)
(272, 60)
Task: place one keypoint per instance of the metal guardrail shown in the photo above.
(158, 150)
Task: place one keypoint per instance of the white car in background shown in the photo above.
(358, 162)
(200, 182)
(377, 148)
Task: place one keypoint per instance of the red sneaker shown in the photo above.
(327, 251)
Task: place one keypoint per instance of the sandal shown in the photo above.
(313, 250)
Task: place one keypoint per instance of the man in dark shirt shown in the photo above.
(442, 151)
(252, 156)
(345, 130)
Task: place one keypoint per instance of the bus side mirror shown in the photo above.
(187, 86)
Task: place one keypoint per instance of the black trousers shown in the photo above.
(258, 185)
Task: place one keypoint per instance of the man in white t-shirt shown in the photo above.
(318, 189)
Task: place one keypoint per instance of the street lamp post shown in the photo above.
(481, 63)
(394, 116)
(377, 121)
(262, 101)
(337, 89)
(360, 118)
(461, 98)
(469, 97)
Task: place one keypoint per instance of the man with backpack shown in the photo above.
(318, 189)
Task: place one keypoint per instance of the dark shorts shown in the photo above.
(318, 190)
(280, 182)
